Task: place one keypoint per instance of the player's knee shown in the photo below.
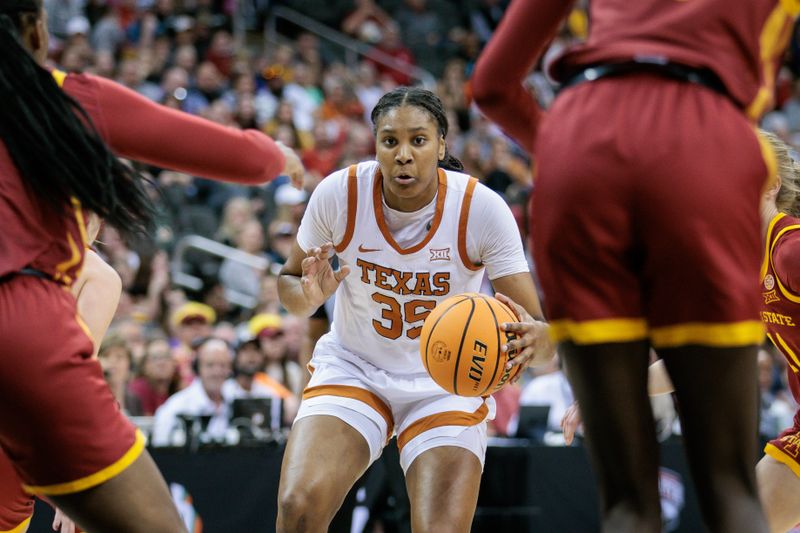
(302, 509)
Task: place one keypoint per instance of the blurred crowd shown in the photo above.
(180, 348)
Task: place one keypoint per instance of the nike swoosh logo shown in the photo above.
(367, 250)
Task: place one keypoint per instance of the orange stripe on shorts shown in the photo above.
(448, 418)
(355, 393)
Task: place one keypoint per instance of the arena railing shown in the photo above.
(210, 247)
(353, 49)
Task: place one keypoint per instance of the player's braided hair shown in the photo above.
(426, 100)
(52, 141)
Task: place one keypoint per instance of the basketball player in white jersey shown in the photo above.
(409, 231)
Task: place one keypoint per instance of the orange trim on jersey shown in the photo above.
(786, 292)
(718, 335)
(463, 217)
(352, 206)
(773, 39)
(355, 393)
(448, 418)
(782, 457)
(767, 246)
(785, 349)
(377, 204)
(60, 76)
(599, 331)
(23, 526)
(95, 479)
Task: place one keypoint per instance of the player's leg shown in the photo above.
(442, 441)
(443, 485)
(779, 488)
(324, 458)
(137, 500)
(610, 385)
(717, 392)
(60, 424)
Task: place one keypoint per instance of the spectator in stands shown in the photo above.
(268, 329)
(238, 211)
(367, 89)
(157, 377)
(208, 86)
(190, 321)
(133, 332)
(424, 27)
(269, 302)
(221, 52)
(285, 116)
(250, 381)
(281, 239)
(366, 22)
(204, 397)
(290, 204)
(240, 277)
(323, 157)
(117, 363)
(391, 44)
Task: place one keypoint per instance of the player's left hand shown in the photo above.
(533, 346)
(62, 522)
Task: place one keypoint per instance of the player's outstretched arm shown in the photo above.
(308, 279)
(138, 129)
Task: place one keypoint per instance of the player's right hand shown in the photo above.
(570, 422)
(293, 167)
(318, 280)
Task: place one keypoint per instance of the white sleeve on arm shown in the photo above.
(493, 236)
(325, 219)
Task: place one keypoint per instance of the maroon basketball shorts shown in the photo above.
(645, 215)
(59, 423)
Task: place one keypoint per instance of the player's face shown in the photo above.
(408, 147)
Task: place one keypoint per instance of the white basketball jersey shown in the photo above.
(382, 303)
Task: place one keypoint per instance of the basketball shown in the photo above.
(460, 344)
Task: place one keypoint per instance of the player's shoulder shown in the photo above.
(457, 181)
(483, 196)
(460, 181)
(336, 184)
(76, 80)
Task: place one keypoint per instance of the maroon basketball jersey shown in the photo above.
(781, 304)
(742, 42)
